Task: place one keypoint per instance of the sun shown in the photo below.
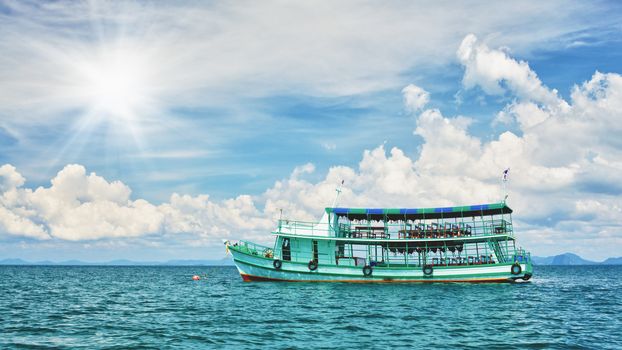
(115, 84)
(117, 87)
(110, 92)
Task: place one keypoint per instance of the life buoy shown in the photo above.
(516, 269)
(312, 265)
(427, 270)
(277, 264)
(367, 270)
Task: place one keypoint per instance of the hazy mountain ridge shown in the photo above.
(613, 261)
(572, 259)
(123, 262)
(561, 259)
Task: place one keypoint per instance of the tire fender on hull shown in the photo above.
(277, 264)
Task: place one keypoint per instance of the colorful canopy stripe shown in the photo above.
(421, 213)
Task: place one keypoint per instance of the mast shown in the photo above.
(338, 190)
(504, 181)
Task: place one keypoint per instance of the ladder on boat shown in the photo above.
(496, 247)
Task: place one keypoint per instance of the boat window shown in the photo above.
(286, 250)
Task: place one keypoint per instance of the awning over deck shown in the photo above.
(421, 213)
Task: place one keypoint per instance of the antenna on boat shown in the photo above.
(338, 190)
(504, 181)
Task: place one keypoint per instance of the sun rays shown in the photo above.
(116, 83)
(112, 92)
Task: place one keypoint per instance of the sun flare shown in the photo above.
(116, 85)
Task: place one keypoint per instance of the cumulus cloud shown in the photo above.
(80, 206)
(557, 160)
(495, 72)
(415, 98)
(10, 178)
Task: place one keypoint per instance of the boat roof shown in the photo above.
(421, 213)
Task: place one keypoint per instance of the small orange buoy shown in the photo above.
(196, 278)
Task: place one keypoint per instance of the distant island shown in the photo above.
(222, 262)
(572, 259)
(562, 259)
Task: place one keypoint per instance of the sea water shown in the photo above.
(91, 307)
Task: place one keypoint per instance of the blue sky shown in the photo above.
(201, 120)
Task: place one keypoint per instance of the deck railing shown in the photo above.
(404, 254)
(400, 231)
(388, 256)
(425, 230)
(254, 249)
(394, 255)
(304, 228)
(521, 256)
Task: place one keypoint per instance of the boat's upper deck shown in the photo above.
(455, 223)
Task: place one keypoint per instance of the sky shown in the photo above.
(151, 131)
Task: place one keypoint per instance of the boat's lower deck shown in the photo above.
(260, 268)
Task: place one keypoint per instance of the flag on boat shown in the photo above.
(226, 242)
(506, 173)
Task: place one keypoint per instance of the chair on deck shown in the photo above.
(404, 234)
(434, 229)
(468, 230)
(447, 230)
(455, 230)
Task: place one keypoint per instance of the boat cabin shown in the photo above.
(463, 235)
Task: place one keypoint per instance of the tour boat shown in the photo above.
(474, 243)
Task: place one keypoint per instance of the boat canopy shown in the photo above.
(420, 213)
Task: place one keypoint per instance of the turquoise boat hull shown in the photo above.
(259, 268)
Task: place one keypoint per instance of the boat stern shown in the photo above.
(522, 269)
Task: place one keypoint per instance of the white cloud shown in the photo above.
(12, 222)
(415, 98)
(10, 178)
(80, 206)
(495, 72)
(329, 146)
(527, 114)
